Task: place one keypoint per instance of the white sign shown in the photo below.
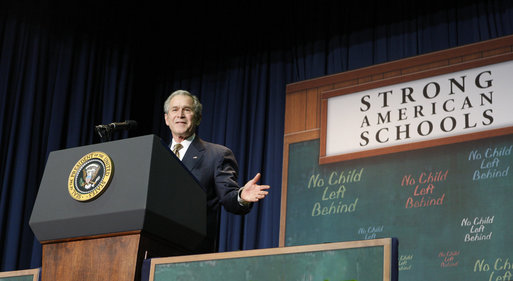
(457, 103)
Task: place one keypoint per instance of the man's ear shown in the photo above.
(165, 118)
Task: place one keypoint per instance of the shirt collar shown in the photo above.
(185, 143)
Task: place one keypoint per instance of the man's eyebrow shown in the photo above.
(185, 106)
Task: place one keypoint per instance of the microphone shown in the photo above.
(105, 131)
(127, 125)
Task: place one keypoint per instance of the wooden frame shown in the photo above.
(303, 99)
(386, 243)
(27, 272)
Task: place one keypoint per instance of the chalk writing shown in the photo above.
(490, 162)
(333, 190)
(478, 230)
(499, 270)
(371, 231)
(423, 193)
(405, 262)
(449, 258)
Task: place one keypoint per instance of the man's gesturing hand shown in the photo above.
(252, 192)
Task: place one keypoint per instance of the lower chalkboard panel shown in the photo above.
(20, 275)
(357, 260)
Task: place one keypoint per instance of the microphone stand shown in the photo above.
(105, 132)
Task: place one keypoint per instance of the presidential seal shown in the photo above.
(90, 176)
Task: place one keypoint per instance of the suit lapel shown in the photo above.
(194, 154)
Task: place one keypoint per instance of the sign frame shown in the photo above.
(325, 159)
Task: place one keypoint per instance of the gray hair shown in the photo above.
(196, 105)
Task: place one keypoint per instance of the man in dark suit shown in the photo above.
(213, 165)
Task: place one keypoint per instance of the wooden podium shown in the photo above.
(145, 204)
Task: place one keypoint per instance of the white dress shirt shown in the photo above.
(185, 145)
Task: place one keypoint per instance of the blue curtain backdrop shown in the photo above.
(66, 66)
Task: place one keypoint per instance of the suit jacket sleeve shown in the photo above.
(226, 185)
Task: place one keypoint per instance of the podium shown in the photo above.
(147, 204)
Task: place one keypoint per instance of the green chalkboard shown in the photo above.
(450, 207)
(18, 278)
(329, 262)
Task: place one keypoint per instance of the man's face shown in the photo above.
(180, 117)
